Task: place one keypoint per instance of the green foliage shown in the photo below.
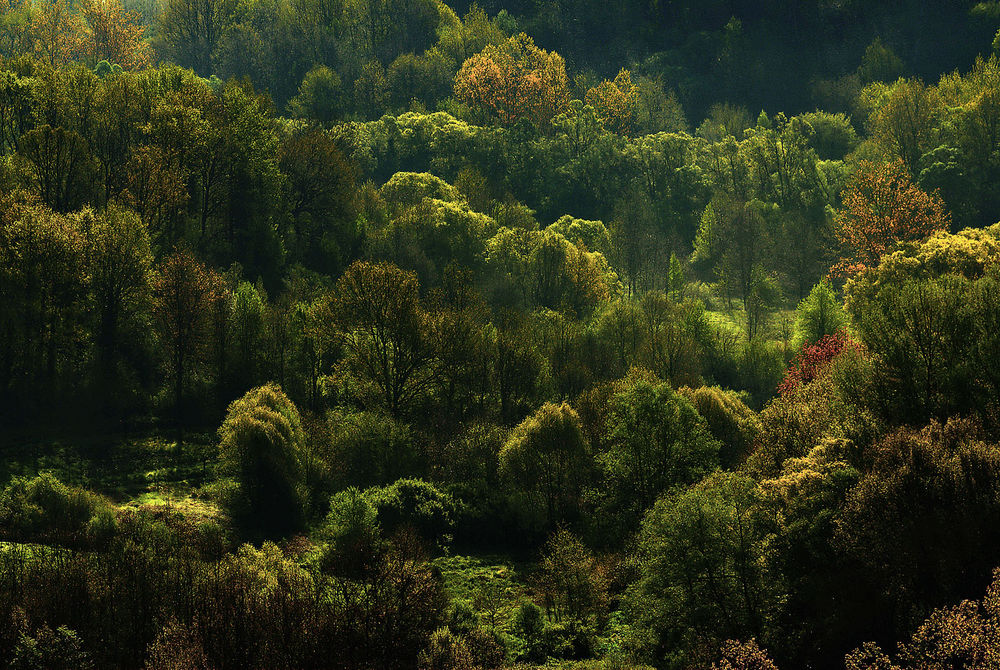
(574, 583)
(729, 420)
(593, 234)
(736, 240)
(246, 324)
(702, 568)
(43, 509)
(386, 266)
(446, 652)
(833, 135)
(408, 189)
(320, 96)
(838, 403)
(376, 316)
(353, 534)
(372, 449)
(818, 315)
(880, 64)
(261, 443)
(47, 649)
(655, 441)
(413, 504)
(926, 332)
(920, 521)
(120, 265)
(546, 459)
(177, 646)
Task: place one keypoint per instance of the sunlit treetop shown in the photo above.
(882, 207)
(514, 81)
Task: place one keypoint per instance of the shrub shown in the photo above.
(372, 449)
(413, 503)
(45, 510)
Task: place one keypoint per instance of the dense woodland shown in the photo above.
(585, 334)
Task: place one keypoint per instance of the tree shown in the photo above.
(384, 29)
(446, 651)
(57, 31)
(64, 168)
(616, 103)
(737, 655)
(882, 207)
(177, 646)
(116, 130)
(113, 34)
(904, 122)
(246, 327)
(59, 649)
(546, 458)
(819, 314)
(120, 264)
(966, 635)
(16, 106)
(184, 291)
(574, 583)
(674, 334)
(513, 81)
(636, 246)
(43, 289)
(413, 505)
(656, 441)
(736, 240)
(729, 420)
(376, 312)
(929, 337)
(319, 97)
(702, 573)
(190, 30)
(923, 521)
(813, 360)
(156, 190)
(260, 443)
(372, 449)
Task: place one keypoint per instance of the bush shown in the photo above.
(352, 533)
(177, 647)
(415, 504)
(372, 449)
(45, 510)
(446, 652)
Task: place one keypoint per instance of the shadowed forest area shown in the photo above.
(397, 334)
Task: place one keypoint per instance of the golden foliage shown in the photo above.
(513, 81)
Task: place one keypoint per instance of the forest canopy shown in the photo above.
(431, 335)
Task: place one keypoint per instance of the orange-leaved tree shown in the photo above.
(882, 207)
(514, 80)
(114, 34)
(616, 102)
(89, 31)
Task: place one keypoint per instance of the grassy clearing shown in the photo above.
(124, 468)
(193, 509)
(490, 584)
